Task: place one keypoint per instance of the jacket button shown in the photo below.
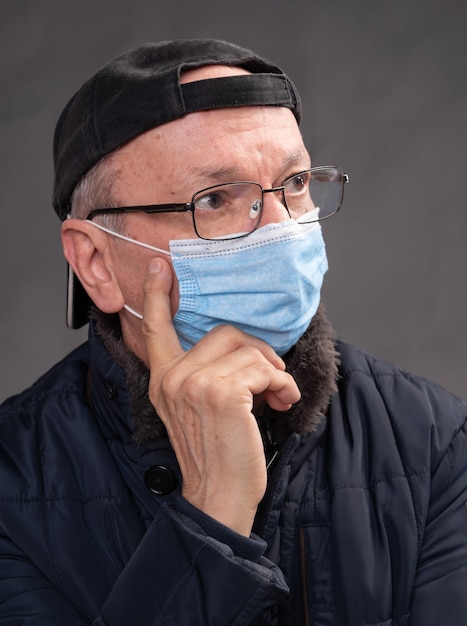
(160, 480)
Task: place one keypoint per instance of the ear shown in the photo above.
(86, 250)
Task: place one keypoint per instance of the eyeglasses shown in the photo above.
(232, 210)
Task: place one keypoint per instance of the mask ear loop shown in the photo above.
(138, 243)
(132, 311)
(129, 239)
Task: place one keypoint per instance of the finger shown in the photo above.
(282, 400)
(282, 391)
(248, 374)
(278, 387)
(162, 343)
(224, 340)
(248, 363)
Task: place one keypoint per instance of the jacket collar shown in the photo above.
(118, 383)
(107, 390)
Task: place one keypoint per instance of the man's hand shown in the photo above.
(205, 399)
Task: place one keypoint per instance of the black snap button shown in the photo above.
(160, 480)
(110, 389)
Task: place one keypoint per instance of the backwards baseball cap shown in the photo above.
(140, 90)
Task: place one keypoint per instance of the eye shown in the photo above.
(213, 200)
(298, 183)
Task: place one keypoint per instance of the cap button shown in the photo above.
(160, 480)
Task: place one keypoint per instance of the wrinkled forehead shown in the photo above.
(261, 144)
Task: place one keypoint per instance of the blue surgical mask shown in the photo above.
(266, 284)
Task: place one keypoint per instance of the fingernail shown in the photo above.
(155, 266)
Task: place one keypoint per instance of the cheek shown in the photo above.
(131, 270)
(134, 285)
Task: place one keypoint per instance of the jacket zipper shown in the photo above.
(303, 572)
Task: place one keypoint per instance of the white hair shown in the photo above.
(95, 191)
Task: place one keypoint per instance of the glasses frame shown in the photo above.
(189, 207)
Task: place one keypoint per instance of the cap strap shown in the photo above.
(242, 90)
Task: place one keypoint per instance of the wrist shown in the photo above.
(244, 546)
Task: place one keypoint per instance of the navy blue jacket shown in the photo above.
(364, 521)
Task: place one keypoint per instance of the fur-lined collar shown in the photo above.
(313, 363)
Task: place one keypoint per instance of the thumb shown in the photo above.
(162, 343)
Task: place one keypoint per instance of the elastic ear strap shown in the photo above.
(129, 239)
(133, 312)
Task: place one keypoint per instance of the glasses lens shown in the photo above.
(227, 211)
(320, 188)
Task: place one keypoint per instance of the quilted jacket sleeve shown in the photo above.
(180, 576)
(26, 596)
(440, 595)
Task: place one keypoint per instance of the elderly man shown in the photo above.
(212, 454)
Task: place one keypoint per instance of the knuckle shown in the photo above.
(254, 354)
(194, 383)
(169, 382)
(225, 331)
(232, 336)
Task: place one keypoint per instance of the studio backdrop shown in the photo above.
(384, 93)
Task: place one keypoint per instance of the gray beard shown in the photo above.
(313, 363)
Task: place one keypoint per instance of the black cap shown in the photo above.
(140, 90)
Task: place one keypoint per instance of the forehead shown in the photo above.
(210, 71)
(216, 139)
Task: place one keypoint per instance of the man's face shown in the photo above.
(170, 163)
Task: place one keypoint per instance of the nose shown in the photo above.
(274, 207)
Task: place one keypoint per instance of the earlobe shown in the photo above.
(85, 249)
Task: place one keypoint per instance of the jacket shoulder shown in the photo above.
(37, 422)
(65, 377)
(394, 406)
(357, 367)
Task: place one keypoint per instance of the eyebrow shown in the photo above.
(234, 173)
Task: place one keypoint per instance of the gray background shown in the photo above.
(384, 86)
